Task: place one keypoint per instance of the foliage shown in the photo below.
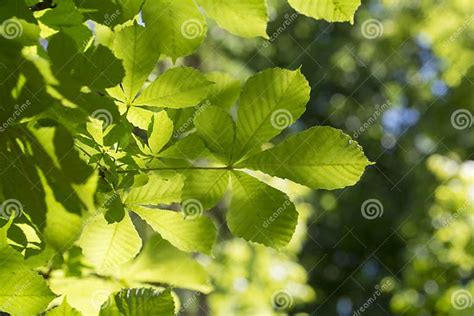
(394, 80)
(444, 257)
(108, 167)
(254, 279)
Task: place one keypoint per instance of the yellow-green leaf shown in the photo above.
(329, 10)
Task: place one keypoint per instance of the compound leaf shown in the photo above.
(225, 90)
(270, 101)
(320, 158)
(164, 188)
(197, 234)
(134, 46)
(178, 26)
(177, 88)
(260, 213)
(160, 131)
(107, 246)
(205, 187)
(216, 128)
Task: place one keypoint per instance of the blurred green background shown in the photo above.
(400, 242)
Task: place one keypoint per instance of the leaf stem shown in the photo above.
(176, 168)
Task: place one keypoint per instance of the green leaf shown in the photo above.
(160, 262)
(115, 210)
(329, 10)
(29, 34)
(178, 26)
(162, 188)
(64, 170)
(107, 246)
(97, 67)
(189, 147)
(207, 187)
(160, 131)
(225, 90)
(57, 145)
(118, 133)
(4, 232)
(109, 12)
(246, 18)
(138, 302)
(139, 117)
(270, 101)
(134, 46)
(86, 293)
(63, 310)
(177, 88)
(65, 14)
(10, 8)
(62, 227)
(95, 129)
(216, 128)
(22, 291)
(320, 158)
(32, 201)
(260, 213)
(197, 234)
